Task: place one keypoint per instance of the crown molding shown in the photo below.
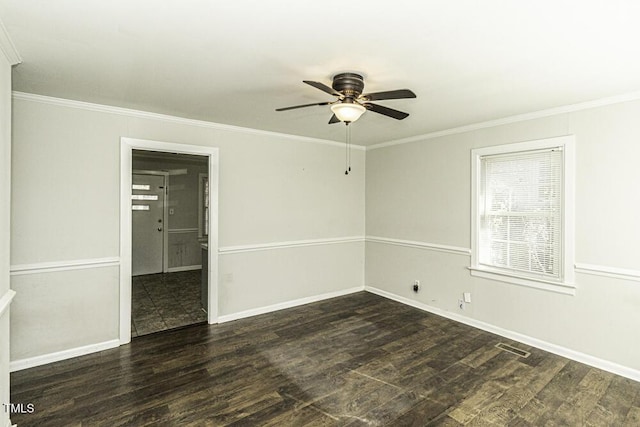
(631, 96)
(89, 106)
(627, 97)
(7, 47)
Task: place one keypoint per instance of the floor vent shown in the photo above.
(513, 350)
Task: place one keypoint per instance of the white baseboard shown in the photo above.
(287, 304)
(18, 365)
(596, 362)
(587, 359)
(184, 268)
(31, 362)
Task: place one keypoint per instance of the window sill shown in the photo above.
(530, 282)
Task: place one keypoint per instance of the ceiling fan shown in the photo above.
(351, 102)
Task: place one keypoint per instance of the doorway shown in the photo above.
(147, 229)
(167, 241)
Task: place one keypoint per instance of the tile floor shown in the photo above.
(165, 301)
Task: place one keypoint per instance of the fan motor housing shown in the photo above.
(349, 84)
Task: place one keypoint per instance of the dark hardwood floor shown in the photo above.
(354, 360)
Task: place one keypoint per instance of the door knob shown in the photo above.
(159, 228)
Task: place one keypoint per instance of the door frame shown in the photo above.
(165, 213)
(127, 145)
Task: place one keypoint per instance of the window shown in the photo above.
(522, 223)
(203, 206)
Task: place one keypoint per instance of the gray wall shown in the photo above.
(421, 192)
(272, 189)
(275, 190)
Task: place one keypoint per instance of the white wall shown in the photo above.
(420, 192)
(65, 211)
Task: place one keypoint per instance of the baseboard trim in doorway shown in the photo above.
(577, 356)
(32, 362)
(184, 268)
(287, 304)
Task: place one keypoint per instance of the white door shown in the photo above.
(148, 195)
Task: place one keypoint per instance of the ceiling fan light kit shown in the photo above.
(348, 112)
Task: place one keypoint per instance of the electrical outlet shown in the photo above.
(416, 285)
(467, 297)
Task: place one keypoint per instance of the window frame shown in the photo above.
(203, 216)
(566, 283)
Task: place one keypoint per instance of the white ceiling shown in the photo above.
(234, 62)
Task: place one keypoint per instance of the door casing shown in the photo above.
(127, 145)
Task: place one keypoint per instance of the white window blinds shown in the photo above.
(520, 212)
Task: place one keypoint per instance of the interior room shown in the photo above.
(168, 289)
(423, 213)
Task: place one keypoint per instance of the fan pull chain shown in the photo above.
(348, 151)
(349, 138)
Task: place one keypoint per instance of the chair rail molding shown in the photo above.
(5, 301)
(8, 48)
(55, 266)
(223, 250)
(420, 245)
(608, 271)
(182, 230)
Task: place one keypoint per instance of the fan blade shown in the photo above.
(391, 94)
(323, 87)
(301, 106)
(399, 115)
(334, 119)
